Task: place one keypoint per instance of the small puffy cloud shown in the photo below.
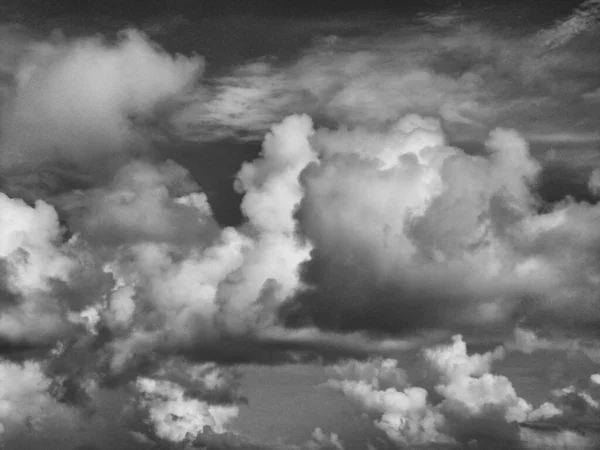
(174, 416)
(380, 373)
(526, 341)
(36, 266)
(453, 362)
(322, 441)
(545, 411)
(594, 182)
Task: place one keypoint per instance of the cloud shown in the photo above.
(582, 20)
(174, 416)
(370, 237)
(107, 282)
(400, 220)
(24, 395)
(143, 202)
(230, 440)
(461, 401)
(38, 269)
(26, 404)
(527, 341)
(399, 214)
(244, 104)
(460, 67)
(229, 282)
(571, 420)
(325, 441)
(455, 400)
(594, 182)
(85, 100)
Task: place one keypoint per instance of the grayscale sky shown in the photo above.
(289, 225)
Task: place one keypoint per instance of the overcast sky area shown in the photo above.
(281, 225)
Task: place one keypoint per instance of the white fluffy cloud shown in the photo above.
(173, 415)
(401, 211)
(374, 224)
(400, 220)
(457, 400)
(147, 270)
(26, 406)
(231, 281)
(471, 403)
(144, 202)
(323, 441)
(24, 393)
(82, 100)
(34, 261)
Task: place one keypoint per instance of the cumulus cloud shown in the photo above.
(115, 277)
(464, 403)
(229, 281)
(143, 202)
(174, 416)
(399, 220)
(457, 401)
(324, 441)
(38, 273)
(374, 206)
(24, 393)
(26, 405)
(372, 236)
(83, 100)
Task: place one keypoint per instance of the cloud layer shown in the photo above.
(369, 232)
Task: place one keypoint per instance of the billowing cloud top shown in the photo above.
(395, 203)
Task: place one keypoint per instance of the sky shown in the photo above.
(299, 225)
